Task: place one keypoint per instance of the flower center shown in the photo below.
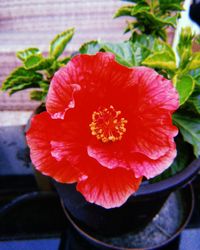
(107, 125)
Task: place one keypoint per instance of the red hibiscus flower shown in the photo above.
(106, 127)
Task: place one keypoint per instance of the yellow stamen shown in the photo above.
(107, 126)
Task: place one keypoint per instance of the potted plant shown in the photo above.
(121, 120)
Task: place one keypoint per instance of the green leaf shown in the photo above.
(194, 101)
(184, 46)
(59, 43)
(151, 17)
(170, 5)
(24, 54)
(185, 86)
(32, 61)
(171, 20)
(190, 129)
(124, 11)
(160, 33)
(194, 62)
(65, 60)
(44, 85)
(37, 62)
(144, 40)
(151, 22)
(20, 75)
(160, 46)
(130, 27)
(23, 86)
(162, 60)
(140, 53)
(140, 8)
(196, 76)
(90, 48)
(197, 79)
(38, 95)
(157, 22)
(123, 51)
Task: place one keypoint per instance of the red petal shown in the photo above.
(109, 188)
(151, 124)
(153, 135)
(110, 155)
(152, 90)
(60, 97)
(83, 73)
(42, 135)
(143, 166)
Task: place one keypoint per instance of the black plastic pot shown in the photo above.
(139, 209)
(158, 235)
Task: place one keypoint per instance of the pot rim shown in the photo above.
(179, 179)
